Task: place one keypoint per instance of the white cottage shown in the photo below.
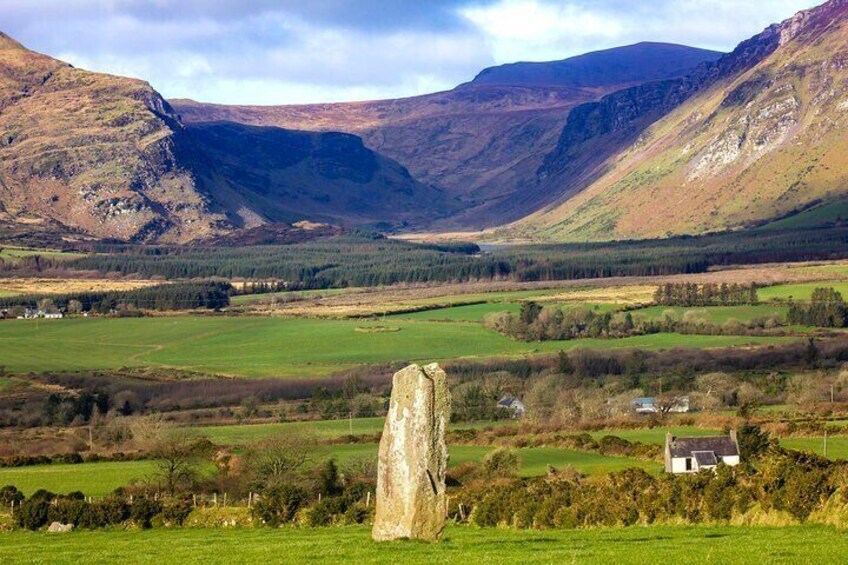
(692, 454)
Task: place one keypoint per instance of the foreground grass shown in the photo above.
(636, 545)
(279, 347)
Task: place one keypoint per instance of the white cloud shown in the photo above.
(284, 51)
(535, 30)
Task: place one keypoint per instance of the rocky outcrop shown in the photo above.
(411, 498)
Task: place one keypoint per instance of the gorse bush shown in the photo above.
(794, 483)
(279, 504)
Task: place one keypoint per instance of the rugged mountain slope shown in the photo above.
(757, 135)
(273, 174)
(107, 156)
(93, 152)
(481, 141)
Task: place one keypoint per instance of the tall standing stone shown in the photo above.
(411, 499)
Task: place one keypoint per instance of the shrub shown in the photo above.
(501, 463)
(68, 511)
(42, 494)
(10, 495)
(278, 504)
(32, 513)
(143, 511)
(175, 511)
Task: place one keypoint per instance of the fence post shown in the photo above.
(215, 499)
(368, 500)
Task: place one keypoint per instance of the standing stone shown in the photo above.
(411, 499)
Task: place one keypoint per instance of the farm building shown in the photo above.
(514, 405)
(692, 454)
(649, 405)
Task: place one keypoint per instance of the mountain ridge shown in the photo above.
(732, 152)
(477, 142)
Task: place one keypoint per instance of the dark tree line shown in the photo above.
(359, 260)
(825, 310)
(691, 294)
(177, 296)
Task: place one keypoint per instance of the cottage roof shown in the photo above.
(722, 446)
(705, 458)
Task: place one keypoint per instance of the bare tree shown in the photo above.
(278, 459)
(667, 403)
(178, 456)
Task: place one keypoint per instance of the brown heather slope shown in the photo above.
(93, 152)
(106, 156)
(758, 135)
(483, 140)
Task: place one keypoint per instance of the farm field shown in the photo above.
(284, 347)
(478, 312)
(17, 253)
(18, 286)
(93, 479)
(101, 478)
(801, 291)
(321, 429)
(837, 447)
(636, 545)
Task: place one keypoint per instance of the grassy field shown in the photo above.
(655, 435)
(16, 253)
(268, 297)
(837, 447)
(716, 314)
(321, 429)
(94, 479)
(99, 479)
(703, 545)
(801, 291)
(285, 347)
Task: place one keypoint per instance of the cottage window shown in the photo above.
(688, 463)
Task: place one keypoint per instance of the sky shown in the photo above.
(299, 51)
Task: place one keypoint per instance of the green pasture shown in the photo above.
(14, 254)
(101, 478)
(284, 347)
(837, 447)
(700, 545)
(478, 312)
(93, 479)
(655, 435)
(800, 291)
(243, 434)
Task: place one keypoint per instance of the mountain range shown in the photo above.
(647, 140)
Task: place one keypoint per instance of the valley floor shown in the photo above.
(637, 545)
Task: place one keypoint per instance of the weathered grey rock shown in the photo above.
(411, 499)
(60, 528)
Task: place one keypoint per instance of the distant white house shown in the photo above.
(514, 405)
(31, 313)
(648, 405)
(693, 454)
